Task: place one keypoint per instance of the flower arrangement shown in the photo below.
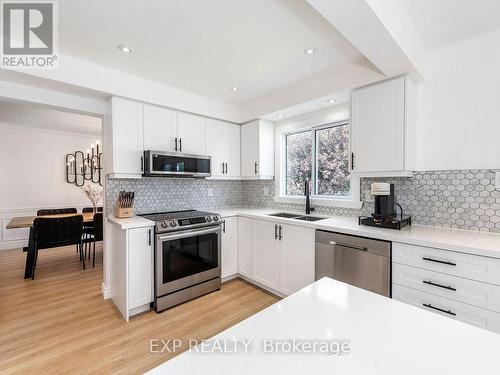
(94, 193)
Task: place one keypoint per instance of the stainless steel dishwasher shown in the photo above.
(362, 262)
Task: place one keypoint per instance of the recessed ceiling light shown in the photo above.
(310, 50)
(124, 49)
(234, 88)
(281, 115)
(331, 100)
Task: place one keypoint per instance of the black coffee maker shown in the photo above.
(384, 200)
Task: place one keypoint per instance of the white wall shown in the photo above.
(32, 174)
(459, 106)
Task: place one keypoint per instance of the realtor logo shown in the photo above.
(29, 34)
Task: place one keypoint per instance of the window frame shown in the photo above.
(348, 201)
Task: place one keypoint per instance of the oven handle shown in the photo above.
(189, 233)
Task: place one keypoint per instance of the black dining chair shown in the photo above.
(90, 209)
(56, 211)
(56, 232)
(93, 234)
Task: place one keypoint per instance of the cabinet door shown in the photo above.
(245, 246)
(191, 133)
(266, 253)
(377, 126)
(215, 145)
(232, 149)
(140, 267)
(298, 258)
(229, 261)
(160, 128)
(249, 149)
(127, 137)
(265, 163)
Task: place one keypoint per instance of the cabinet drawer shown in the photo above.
(456, 310)
(467, 291)
(457, 264)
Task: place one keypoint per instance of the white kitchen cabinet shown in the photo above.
(223, 145)
(383, 129)
(245, 247)
(140, 260)
(131, 265)
(190, 133)
(298, 254)
(266, 253)
(229, 261)
(257, 150)
(124, 138)
(160, 128)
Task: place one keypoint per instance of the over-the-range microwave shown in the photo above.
(176, 164)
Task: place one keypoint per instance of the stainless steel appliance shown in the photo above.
(187, 256)
(362, 262)
(176, 164)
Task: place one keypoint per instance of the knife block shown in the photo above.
(123, 213)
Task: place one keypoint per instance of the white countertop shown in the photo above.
(386, 337)
(478, 243)
(131, 222)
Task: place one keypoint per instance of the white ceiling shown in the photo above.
(205, 46)
(443, 22)
(25, 115)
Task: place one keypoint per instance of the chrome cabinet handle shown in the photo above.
(275, 231)
(281, 233)
(438, 309)
(222, 168)
(175, 140)
(226, 168)
(439, 261)
(180, 144)
(149, 237)
(428, 282)
(255, 168)
(142, 163)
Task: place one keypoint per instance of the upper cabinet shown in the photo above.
(257, 150)
(190, 133)
(124, 139)
(383, 129)
(223, 145)
(160, 128)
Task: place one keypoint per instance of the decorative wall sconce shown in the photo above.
(82, 167)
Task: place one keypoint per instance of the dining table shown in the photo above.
(27, 222)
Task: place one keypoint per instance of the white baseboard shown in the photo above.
(106, 291)
(270, 290)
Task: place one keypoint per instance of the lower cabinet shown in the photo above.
(276, 256)
(229, 244)
(131, 268)
(266, 253)
(245, 247)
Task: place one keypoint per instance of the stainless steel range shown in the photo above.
(187, 256)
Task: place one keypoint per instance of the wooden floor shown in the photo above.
(59, 322)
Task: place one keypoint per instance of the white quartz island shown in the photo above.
(385, 336)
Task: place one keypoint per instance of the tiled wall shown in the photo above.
(457, 199)
(464, 199)
(157, 194)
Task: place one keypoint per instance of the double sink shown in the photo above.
(287, 215)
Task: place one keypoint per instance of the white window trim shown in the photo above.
(352, 201)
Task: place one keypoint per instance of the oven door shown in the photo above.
(186, 258)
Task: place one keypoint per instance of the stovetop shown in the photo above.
(182, 220)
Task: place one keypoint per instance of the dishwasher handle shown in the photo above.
(361, 248)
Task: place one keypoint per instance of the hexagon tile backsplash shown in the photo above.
(464, 199)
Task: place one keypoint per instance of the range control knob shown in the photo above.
(172, 224)
(216, 218)
(209, 219)
(164, 225)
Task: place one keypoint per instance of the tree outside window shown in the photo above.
(330, 154)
